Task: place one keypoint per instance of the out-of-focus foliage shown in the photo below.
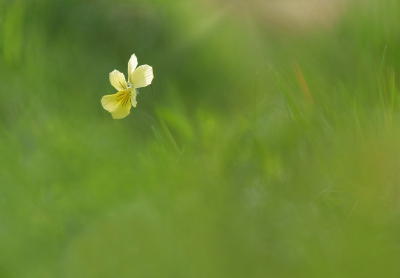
(297, 180)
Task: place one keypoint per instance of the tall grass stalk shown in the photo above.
(284, 97)
(392, 89)
(164, 126)
(381, 97)
(255, 100)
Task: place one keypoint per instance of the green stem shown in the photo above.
(284, 97)
(255, 99)
(164, 126)
(381, 97)
(382, 100)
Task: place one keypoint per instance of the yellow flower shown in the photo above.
(119, 104)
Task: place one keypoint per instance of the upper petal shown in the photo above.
(132, 64)
(142, 76)
(117, 79)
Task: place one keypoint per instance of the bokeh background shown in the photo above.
(286, 112)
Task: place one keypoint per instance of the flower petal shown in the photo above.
(133, 98)
(122, 110)
(117, 79)
(142, 76)
(110, 102)
(118, 104)
(132, 64)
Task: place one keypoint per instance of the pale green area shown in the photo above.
(83, 195)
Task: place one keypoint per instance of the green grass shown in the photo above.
(290, 142)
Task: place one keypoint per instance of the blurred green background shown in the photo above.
(294, 180)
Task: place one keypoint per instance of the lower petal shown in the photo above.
(110, 102)
(122, 110)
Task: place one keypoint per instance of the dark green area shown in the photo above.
(255, 193)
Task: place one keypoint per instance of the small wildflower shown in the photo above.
(119, 104)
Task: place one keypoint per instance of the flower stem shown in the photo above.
(164, 126)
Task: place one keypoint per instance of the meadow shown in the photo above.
(286, 116)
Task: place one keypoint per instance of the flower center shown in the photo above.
(123, 97)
